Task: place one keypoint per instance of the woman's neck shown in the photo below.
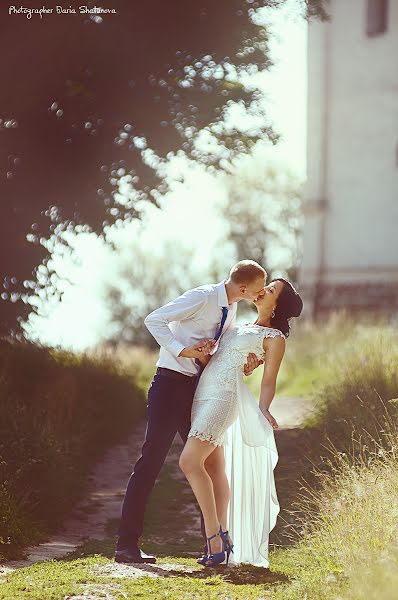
(264, 320)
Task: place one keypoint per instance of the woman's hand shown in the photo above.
(271, 420)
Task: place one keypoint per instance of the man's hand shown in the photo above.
(252, 362)
(198, 350)
(204, 360)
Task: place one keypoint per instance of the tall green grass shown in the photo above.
(137, 361)
(358, 385)
(348, 519)
(348, 368)
(309, 354)
(349, 532)
(59, 412)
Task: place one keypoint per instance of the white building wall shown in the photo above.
(352, 150)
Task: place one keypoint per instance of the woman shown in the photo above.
(230, 453)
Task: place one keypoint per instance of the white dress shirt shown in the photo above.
(186, 320)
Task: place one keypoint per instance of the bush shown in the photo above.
(59, 412)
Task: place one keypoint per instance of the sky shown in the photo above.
(286, 87)
(79, 321)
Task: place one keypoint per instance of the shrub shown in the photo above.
(59, 412)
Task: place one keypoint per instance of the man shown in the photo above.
(187, 329)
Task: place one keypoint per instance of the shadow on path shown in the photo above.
(298, 450)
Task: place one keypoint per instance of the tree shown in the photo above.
(264, 213)
(252, 212)
(82, 97)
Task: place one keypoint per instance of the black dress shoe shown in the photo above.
(133, 556)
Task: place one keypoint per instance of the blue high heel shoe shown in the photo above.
(212, 560)
(227, 543)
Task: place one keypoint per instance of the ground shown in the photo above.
(172, 524)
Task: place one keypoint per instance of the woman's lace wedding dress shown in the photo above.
(224, 412)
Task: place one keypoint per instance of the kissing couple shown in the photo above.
(198, 390)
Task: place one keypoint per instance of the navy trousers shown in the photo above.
(169, 412)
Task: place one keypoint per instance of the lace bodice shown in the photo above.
(227, 363)
(215, 405)
(241, 340)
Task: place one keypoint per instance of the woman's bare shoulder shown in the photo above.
(274, 340)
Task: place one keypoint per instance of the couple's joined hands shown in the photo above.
(202, 349)
(199, 350)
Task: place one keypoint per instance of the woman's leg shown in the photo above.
(215, 467)
(192, 461)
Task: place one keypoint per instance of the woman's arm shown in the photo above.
(275, 349)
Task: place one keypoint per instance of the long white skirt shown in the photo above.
(251, 456)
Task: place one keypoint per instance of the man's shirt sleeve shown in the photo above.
(182, 308)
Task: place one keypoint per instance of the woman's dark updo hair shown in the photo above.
(289, 304)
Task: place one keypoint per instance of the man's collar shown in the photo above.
(222, 298)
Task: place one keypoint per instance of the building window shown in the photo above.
(376, 18)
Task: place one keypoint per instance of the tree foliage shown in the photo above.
(258, 216)
(82, 97)
(265, 217)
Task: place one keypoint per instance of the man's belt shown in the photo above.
(177, 375)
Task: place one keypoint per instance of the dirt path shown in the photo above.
(108, 484)
(290, 412)
(103, 502)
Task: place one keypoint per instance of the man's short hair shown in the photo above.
(246, 271)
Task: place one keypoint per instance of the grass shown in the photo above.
(90, 576)
(307, 361)
(173, 533)
(348, 369)
(361, 393)
(336, 538)
(138, 362)
(347, 549)
(348, 536)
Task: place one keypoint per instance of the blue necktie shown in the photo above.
(217, 336)
(223, 319)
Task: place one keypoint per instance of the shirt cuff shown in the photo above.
(175, 347)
